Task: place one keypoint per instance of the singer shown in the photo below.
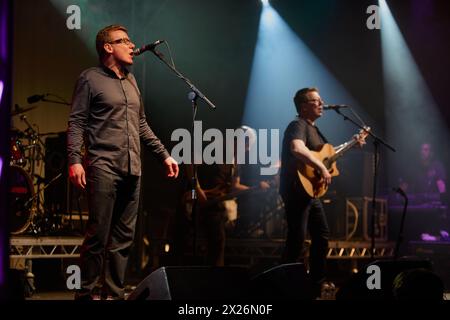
(108, 116)
(304, 213)
(301, 145)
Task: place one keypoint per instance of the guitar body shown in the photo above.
(310, 179)
(308, 176)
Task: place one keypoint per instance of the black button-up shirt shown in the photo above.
(108, 116)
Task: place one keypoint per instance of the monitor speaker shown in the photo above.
(193, 283)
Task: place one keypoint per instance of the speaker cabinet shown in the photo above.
(193, 283)
(61, 196)
(56, 164)
(286, 281)
(438, 252)
(356, 288)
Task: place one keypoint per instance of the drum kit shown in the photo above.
(26, 151)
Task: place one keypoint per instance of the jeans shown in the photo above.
(304, 214)
(113, 202)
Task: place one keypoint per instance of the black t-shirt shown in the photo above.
(313, 139)
(216, 176)
(427, 177)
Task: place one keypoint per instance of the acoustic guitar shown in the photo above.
(311, 179)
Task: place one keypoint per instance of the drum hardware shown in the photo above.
(27, 214)
(17, 156)
(26, 148)
(25, 154)
(43, 97)
(43, 189)
(34, 147)
(18, 110)
(21, 197)
(43, 223)
(32, 135)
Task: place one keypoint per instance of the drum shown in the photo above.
(16, 148)
(21, 194)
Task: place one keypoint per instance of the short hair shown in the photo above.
(300, 97)
(103, 36)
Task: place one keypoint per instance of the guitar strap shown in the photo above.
(321, 135)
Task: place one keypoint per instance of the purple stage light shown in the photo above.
(5, 100)
(1, 91)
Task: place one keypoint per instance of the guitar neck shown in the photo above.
(340, 153)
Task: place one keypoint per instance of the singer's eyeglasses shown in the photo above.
(125, 41)
(314, 101)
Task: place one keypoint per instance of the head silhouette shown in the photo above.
(418, 284)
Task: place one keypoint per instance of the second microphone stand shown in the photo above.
(193, 95)
(376, 142)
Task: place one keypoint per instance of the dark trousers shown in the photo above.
(113, 205)
(304, 214)
(213, 221)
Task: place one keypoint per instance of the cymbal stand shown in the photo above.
(37, 227)
(35, 145)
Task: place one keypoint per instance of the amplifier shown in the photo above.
(358, 219)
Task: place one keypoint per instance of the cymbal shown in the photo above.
(18, 110)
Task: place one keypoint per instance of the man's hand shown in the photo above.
(171, 167)
(361, 136)
(441, 186)
(77, 175)
(264, 185)
(326, 176)
(361, 141)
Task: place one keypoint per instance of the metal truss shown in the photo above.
(258, 248)
(69, 247)
(45, 247)
(359, 249)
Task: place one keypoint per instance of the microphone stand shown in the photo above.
(376, 142)
(194, 179)
(402, 222)
(193, 95)
(35, 141)
(186, 80)
(60, 101)
(55, 101)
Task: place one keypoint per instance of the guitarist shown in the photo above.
(304, 213)
(217, 212)
(217, 189)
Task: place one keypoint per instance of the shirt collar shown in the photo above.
(111, 73)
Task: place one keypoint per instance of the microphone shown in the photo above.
(334, 106)
(148, 47)
(35, 98)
